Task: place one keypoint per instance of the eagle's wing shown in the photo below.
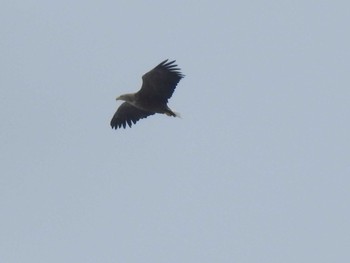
(128, 114)
(159, 84)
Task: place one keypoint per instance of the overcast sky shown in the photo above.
(256, 170)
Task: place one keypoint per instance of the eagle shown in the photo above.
(158, 86)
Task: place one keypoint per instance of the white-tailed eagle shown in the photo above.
(158, 86)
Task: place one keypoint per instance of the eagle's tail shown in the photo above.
(169, 112)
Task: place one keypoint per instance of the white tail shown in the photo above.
(177, 114)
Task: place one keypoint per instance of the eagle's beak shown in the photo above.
(118, 98)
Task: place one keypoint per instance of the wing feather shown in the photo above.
(159, 84)
(128, 115)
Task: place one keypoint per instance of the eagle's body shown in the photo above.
(157, 87)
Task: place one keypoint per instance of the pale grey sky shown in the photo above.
(257, 169)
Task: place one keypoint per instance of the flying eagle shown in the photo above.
(158, 86)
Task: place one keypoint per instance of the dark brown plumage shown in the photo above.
(157, 87)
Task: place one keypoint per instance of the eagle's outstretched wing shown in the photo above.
(159, 84)
(128, 114)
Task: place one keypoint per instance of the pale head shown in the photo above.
(127, 97)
